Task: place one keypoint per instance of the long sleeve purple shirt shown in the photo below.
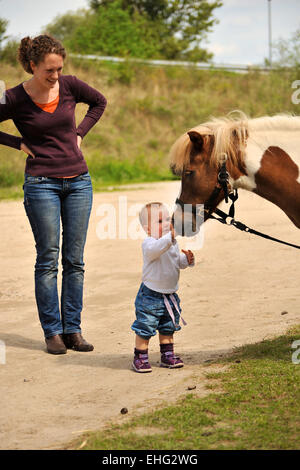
(52, 137)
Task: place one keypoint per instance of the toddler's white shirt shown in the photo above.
(162, 262)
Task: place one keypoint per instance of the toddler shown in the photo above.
(157, 305)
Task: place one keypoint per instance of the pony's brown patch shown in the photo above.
(276, 181)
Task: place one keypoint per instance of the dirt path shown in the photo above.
(234, 295)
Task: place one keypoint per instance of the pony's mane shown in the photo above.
(230, 135)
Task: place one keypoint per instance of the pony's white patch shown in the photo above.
(253, 158)
(277, 131)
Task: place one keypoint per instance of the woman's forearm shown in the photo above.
(10, 140)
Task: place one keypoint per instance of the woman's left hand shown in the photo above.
(79, 140)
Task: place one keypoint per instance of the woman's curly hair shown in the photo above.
(36, 49)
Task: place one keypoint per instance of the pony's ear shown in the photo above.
(196, 139)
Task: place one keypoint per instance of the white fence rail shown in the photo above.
(198, 65)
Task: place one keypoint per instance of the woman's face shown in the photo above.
(48, 71)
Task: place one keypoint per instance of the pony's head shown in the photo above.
(198, 155)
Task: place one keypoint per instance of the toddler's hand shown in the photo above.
(190, 256)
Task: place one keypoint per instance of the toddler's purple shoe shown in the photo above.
(141, 363)
(169, 360)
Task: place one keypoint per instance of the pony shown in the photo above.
(261, 155)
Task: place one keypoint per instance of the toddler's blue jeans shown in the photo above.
(152, 314)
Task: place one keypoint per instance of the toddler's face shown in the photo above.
(159, 221)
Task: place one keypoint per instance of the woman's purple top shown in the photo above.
(52, 137)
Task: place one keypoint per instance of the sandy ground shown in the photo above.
(234, 295)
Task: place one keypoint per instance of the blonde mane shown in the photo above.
(230, 135)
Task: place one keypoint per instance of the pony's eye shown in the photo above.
(188, 172)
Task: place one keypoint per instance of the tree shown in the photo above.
(161, 29)
(112, 30)
(95, 4)
(63, 26)
(287, 51)
(9, 52)
(148, 7)
(180, 25)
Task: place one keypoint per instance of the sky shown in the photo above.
(240, 37)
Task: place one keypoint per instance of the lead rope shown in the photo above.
(243, 227)
(223, 178)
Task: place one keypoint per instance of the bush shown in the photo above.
(9, 53)
(112, 31)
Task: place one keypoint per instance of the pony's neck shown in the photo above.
(258, 143)
(272, 163)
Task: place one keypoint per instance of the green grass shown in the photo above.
(253, 404)
(105, 175)
(148, 109)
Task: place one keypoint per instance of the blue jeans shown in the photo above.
(152, 315)
(46, 201)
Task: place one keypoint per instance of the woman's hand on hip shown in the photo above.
(79, 140)
(26, 150)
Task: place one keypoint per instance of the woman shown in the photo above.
(57, 182)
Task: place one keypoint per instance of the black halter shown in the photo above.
(222, 185)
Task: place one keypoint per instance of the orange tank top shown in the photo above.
(50, 108)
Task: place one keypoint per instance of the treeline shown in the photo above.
(161, 29)
(146, 29)
(168, 29)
